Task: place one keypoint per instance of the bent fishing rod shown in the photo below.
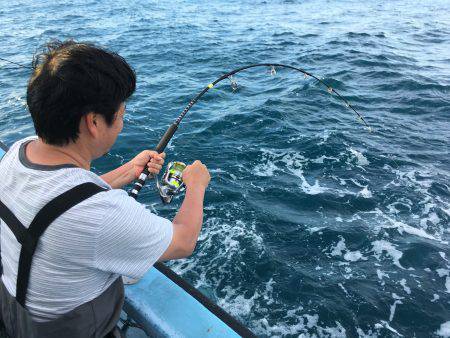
(145, 174)
(174, 126)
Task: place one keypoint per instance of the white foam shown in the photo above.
(319, 159)
(305, 323)
(444, 330)
(447, 284)
(443, 272)
(405, 287)
(230, 234)
(265, 170)
(446, 206)
(369, 334)
(324, 137)
(393, 206)
(395, 296)
(411, 176)
(335, 332)
(322, 158)
(257, 187)
(427, 207)
(342, 287)
(442, 254)
(384, 246)
(292, 312)
(403, 227)
(365, 192)
(413, 231)
(237, 304)
(435, 297)
(305, 186)
(386, 325)
(381, 275)
(294, 163)
(349, 256)
(353, 256)
(268, 294)
(433, 218)
(355, 182)
(393, 307)
(339, 247)
(312, 189)
(217, 171)
(361, 159)
(315, 229)
(421, 181)
(311, 320)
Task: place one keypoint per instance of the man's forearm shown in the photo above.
(190, 214)
(119, 177)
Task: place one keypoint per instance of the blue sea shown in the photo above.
(313, 227)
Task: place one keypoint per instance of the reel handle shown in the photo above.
(145, 174)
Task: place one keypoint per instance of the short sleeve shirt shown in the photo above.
(84, 250)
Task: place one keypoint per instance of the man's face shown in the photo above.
(108, 134)
(117, 125)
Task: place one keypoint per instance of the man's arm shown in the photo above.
(130, 171)
(189, 218)
(119, 177)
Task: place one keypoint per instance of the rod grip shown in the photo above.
(145, 174)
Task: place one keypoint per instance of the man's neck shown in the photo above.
(40, 152)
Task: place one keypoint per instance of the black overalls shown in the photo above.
(96, 318)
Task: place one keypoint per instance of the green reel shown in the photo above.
(172, 181)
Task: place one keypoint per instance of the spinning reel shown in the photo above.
(171, 182)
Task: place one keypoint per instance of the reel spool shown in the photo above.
(172, 181)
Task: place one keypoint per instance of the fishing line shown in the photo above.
(234, 86)
(17, 64)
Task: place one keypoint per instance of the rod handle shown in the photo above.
(145, 174)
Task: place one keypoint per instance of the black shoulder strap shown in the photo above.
(19, 231)
(3, 150)
(3, 146)
(51, 211)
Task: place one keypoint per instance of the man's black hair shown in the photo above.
(71, 79)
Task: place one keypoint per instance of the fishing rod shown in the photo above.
(145, 174)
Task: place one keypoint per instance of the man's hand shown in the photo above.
(131, 170)
(196, 174)
(149, 158)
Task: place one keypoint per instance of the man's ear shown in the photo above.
(91, 120)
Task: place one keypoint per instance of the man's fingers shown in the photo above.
(154, 165)
(158, 157)
(154, 168)
(154, 157)
(157, 160)
(153, 154)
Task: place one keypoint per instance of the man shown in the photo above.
(67, 235)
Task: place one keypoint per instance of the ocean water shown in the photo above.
(313, 227)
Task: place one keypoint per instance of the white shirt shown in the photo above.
(84, 250)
